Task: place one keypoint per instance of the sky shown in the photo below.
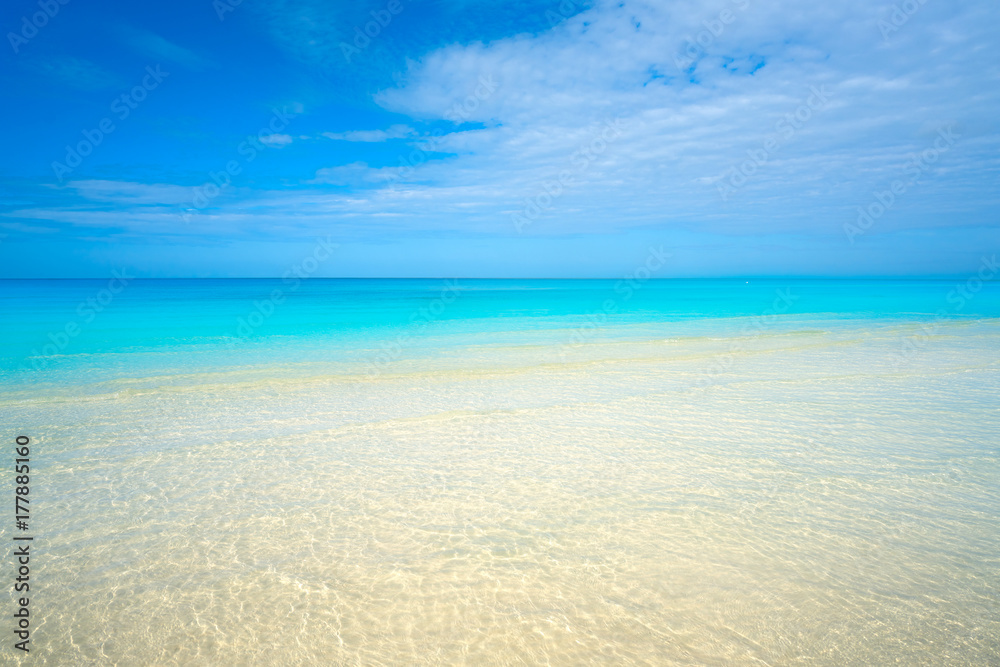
(232, 138)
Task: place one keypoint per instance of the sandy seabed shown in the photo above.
(804, 497)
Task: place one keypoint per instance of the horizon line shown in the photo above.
(645, 280)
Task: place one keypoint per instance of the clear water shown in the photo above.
(509, 472)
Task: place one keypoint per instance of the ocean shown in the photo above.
(630, 471)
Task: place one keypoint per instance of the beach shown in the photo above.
(698, 472)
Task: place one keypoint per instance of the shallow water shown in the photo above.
(516, 479)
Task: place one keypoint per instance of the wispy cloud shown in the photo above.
(309, 30)
(372, 136)
(154, 46)
(356, 173)
(130, 194)
(683, 129)
(78, 73)
(276, 140)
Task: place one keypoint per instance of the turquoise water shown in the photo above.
(509, 472)
(178, 323)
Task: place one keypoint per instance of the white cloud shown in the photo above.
(126, 193)
(372, 136)
(356, 173)
(683, 127)
(152, 45)
(276, 140)
(696, 94)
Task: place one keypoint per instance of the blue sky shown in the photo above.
(461, 138)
